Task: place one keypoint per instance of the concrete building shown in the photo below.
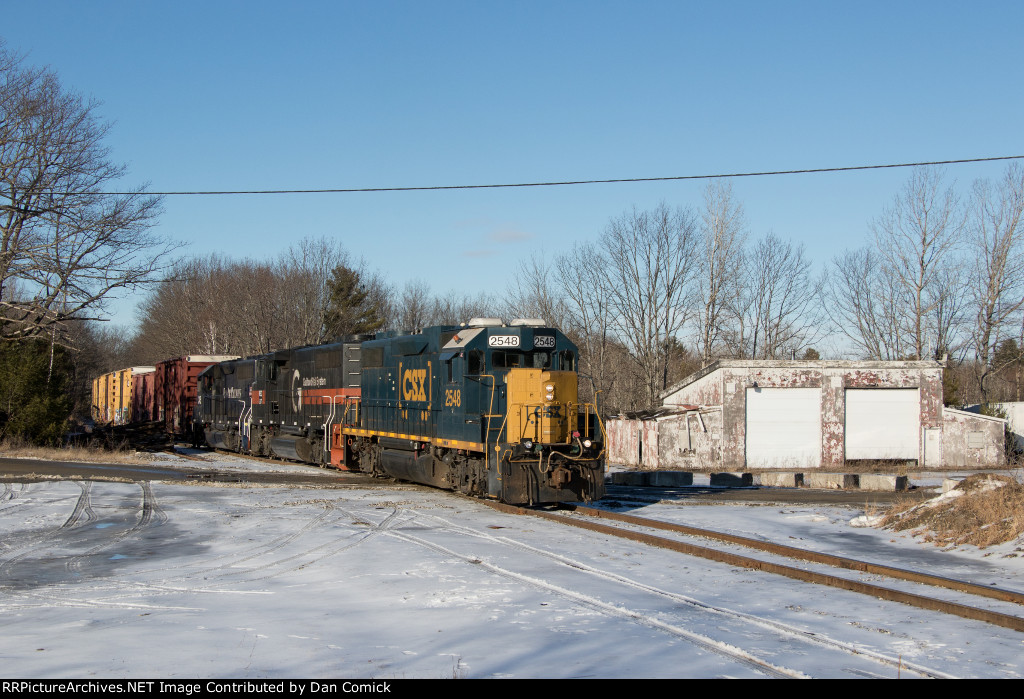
(743, 414)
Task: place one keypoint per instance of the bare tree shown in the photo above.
(723, 237)
(185, 313)
(587, 293)
(455, 308)
(996, 232)
(306, 266)
(65, 248)
(777, 312)
(412, 306)
(916, 237)
(863, 304)
(949, 300)
(252, 297)
(650, 266)
(533, 292)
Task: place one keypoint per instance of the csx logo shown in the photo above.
(414, 384)
(553, 411)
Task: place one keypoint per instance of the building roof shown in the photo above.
(800, 364)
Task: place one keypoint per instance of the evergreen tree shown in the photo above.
(35, 391)
(351, 307)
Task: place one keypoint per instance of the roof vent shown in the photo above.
(532, 322)
(484, 322)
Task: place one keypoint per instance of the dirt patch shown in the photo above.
(983, 510)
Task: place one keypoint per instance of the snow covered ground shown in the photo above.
(122, 580)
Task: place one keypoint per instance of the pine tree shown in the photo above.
(351, 308)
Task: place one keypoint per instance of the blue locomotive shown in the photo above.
(488, 409)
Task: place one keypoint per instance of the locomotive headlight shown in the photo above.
(587, 443)
(550, 388)
(550, 396)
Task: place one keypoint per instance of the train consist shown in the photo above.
(487, 409)
(165, 393)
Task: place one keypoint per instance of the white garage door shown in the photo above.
(783, 427)
(883, 423)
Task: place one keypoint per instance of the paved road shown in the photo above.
(23, 470)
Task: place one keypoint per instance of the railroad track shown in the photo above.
(591, 515)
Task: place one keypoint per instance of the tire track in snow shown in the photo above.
(149, 514)
(10, 494)
(82, 507)
(35, 540)
(169, 585)
(223, 574)
(332, 548)
(249, 552)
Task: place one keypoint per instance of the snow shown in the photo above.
(123, 580)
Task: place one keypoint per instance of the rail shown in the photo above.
(962, 610)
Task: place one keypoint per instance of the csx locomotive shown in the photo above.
(488, 409)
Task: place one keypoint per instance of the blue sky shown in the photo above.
(261, 95)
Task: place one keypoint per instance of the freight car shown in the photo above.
(165, 393)
(488, 409)
(113, 395)
(143, 401)
(174, 389)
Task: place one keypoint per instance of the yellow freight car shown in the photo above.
(112, 396)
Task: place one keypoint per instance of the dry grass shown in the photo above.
(118, 454)
(988, 510)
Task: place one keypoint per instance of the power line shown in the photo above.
(568, 182)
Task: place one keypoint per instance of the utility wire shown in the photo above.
(568, 182)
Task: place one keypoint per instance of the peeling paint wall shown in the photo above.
(633, 443)
(692, 441)
(725, 383)
(678, 441)
(706, 390)
(972, 441)
(621, 447)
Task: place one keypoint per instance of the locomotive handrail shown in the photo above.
(243, 423)
(586, 408)
(244, 418)
(490, 411)
(351, 402)
(329, 433)
(570, 415)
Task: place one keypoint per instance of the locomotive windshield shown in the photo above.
(503, 359)
(538, 359)
(508, 359)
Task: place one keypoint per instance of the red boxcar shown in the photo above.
(174, 390)
(143, 394)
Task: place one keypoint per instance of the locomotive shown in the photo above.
(488, 409)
